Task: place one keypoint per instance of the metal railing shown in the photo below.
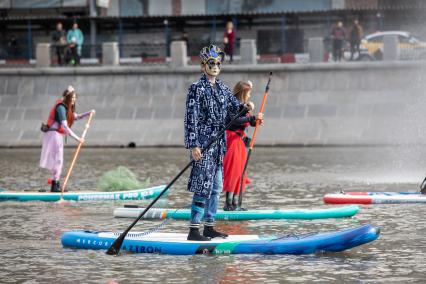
(16, 52)
(156, 54)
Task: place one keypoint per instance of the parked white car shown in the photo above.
(410, 47)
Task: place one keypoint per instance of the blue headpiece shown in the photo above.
(211, 52)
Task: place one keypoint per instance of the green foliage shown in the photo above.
(120, 179)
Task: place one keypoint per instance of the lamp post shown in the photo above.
(30, 40)
(93, 15)
(379, 21)
(167, 36)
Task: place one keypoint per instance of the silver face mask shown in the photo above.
(212, 67)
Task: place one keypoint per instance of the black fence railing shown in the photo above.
(156, 53)
(16, 50)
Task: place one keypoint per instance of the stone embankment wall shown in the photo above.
(312, 104)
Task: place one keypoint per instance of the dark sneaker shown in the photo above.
(194, 235)
(240, 209)
(55, 186)
(210, 232)
(228, 207)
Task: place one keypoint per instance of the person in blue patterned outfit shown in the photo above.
(210, 105)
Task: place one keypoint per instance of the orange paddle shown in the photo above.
(262, 106)
(75, 156)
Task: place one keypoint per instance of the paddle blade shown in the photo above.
(423, 187)
(114, 249)
(62, 201)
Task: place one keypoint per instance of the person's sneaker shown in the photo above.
(237, 208)
(194, 235)
(228, 207)
(228, 202)
(240, 209)
(210, 232)
(55, 187)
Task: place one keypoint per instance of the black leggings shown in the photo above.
(337, 49)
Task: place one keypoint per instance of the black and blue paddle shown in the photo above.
(423, 186)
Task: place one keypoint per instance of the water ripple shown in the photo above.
(282, 178)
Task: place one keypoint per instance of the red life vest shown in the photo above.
(51, 118)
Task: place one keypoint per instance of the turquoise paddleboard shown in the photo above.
(137, 194)
(184, 214)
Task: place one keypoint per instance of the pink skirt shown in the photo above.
(52, 151)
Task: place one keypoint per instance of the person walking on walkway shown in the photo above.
(229, 40)
(60, 43)
(75, 37)
(209, 106)
(338, 35)
(355, 35)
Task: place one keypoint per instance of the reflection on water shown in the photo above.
(282, 178)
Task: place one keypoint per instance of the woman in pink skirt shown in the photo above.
(61, 118)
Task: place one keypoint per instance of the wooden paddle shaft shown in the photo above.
(76, 153)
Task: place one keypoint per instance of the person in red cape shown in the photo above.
(236, 153)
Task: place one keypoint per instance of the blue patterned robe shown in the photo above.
(207, 113)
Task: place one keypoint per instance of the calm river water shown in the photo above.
(283, 178)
